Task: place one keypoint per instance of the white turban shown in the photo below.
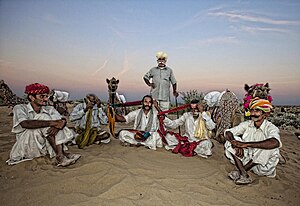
(161, 55)
(212, 98)
(60, 96)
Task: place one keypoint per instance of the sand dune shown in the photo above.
(116, 175)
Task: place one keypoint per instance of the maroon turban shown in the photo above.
(36, 88)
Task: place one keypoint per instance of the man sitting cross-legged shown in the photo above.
(145, 127)
(253, 144)
(197, 124)
(39, 129)
(88, 117)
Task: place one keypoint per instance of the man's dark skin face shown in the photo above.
(147, 104)
(195, 110)
(40, 99)
(161, 62)
(257, 116)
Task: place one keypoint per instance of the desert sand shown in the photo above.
(117, 175)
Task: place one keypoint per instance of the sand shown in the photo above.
(117, 175)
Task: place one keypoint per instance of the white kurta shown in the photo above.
(31, 143)
(204, 148)
(266, 159)
(78, 116)
(153, 141)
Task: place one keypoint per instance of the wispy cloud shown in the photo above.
(125, 68)
(102, 67)
(252, 18)
(263, 29)
(217, 40)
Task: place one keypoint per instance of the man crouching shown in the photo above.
(253, 144)
(40, 130)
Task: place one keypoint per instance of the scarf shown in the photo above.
(139, 121)
(88, 135)
(201, 131)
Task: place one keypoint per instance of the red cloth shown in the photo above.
(183, 147)
(36, 88)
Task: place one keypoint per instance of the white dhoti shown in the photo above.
(32, 143)
(266, 160)
(153, 141)
(203, 149)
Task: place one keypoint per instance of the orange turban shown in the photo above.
(261, 104)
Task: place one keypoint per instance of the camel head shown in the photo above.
(258, 90)
(112, 84)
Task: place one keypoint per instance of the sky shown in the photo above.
(74, 45)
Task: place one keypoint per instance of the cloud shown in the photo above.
(125, 68)
(252, 18)
(263, 29)
(217, 40)
(102, 67)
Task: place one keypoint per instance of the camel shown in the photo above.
(114, 97)
(256, 90)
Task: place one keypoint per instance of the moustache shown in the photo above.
(254, 116)
(144, 106)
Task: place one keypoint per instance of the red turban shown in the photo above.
(36, 88)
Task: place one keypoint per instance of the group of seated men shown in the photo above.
(41, 130)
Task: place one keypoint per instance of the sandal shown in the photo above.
(64, 162)
(234, 175)
(243, 180)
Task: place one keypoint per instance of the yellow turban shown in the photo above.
(161, 55)
(261, 104)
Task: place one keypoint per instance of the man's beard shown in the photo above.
(146, 107)
(195, 113)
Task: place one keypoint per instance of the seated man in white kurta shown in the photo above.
(253, 144)
(144, 131)
(40, 129)
(197, 124)
(88, 118)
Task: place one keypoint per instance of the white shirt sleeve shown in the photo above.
(210, 125)
(77, 113)
(20, 114)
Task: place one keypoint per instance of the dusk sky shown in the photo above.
(74, 45)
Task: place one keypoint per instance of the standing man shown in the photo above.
(88, 117)
(253, 144)
(162, 76)
(40, 129)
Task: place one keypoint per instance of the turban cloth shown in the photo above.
(161, 55)
(36, 88)
(212, 98)
(261, 104)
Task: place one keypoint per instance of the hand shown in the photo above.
(52, 131)
(175, 93)
(60, 124)
(89, 105)
(238, 144)
(239, 152)
(152, 85)
(155, 103)
(200, 108)
(98, 102)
